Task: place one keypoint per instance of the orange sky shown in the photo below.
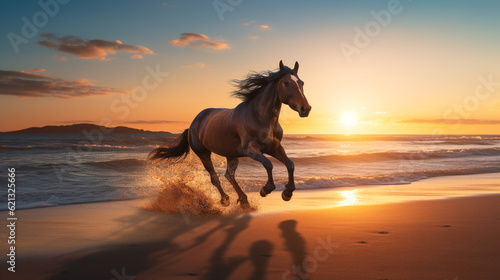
(419, 74)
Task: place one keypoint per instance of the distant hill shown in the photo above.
(81, 128)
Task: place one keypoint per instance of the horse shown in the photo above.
(251, 129)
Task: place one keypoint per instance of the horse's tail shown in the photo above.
(179, 148)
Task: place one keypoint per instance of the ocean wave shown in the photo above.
(465, 139)
(344, 138)
(390, 179)
(57, 201)
(119, 164)
(87, 143)
(71, 147)
(458, 142)
(386, 156)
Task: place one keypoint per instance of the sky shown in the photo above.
(369, 67)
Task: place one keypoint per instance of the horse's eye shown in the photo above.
(286, 83)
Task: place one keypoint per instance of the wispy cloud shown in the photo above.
(198, 41)
(451, 121)
(196, 65)
(167, 5)
(246, 22)
(153, 122)
(89, 49)
(77, 121)
(137, 56)
(253, 25)
(25, 84)
(37, 70)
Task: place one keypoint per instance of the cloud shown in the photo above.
(37, 70)
(196, 65)
(137, 56)
(25, 84)
(246, 22)
(198, 41)
(62, 58)
(89, 49)
(255, 37)
(77, 121)
(451, 121)
(153, 122)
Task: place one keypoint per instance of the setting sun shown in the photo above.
(349, 119)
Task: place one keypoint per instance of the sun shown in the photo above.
(349, 119)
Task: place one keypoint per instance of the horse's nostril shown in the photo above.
(302, 108)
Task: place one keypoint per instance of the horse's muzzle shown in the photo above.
(304, 111)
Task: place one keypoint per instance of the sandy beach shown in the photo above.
(318, 235)
(250, 140)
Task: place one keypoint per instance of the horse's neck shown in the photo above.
(267, 105)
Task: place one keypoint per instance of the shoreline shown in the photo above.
(387, 193)
(369, 239)
(438, 239)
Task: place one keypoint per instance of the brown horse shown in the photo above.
(249, 130)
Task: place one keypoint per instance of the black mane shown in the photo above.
(249, 88)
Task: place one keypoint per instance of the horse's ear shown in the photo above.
(296, 68)
(282, 67)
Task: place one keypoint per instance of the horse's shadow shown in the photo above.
(294, 242)
(259, 254)
(125, 260)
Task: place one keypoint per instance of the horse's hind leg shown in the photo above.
(232, 164)
(207, 163)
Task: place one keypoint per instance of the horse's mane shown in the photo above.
(247, 89)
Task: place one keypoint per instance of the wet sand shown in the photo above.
(325, 234)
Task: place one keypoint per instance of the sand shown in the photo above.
(455, 238)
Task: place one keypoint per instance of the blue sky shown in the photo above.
(456, 40)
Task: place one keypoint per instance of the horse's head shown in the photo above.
(291, 91)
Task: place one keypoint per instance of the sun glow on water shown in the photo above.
(349, 198)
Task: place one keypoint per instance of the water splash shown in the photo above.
(184, 187)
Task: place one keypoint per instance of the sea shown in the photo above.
(60, 169)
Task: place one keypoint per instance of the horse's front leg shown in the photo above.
(257, 155)
(280, 155)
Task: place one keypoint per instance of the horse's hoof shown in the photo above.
(245, 205)
(263, 192)
(225, 201)
(286, 195)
